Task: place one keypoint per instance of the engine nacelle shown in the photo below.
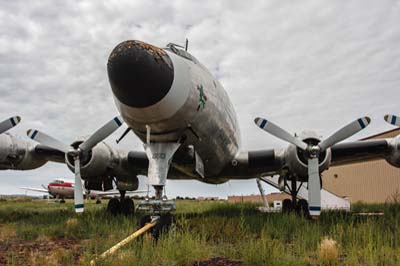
(97, 162)
(296, 159)
(99, 183)
(394, 157)
(130, 184)
(18, 154)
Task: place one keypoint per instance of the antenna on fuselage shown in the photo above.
(186, 44)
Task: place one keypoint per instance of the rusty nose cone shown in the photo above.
(140, 74)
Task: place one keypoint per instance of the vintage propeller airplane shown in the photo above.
(64, 189)
(189, 129)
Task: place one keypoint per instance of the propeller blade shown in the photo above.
(44, 139)
(78, 190)
(393, 120)
(9, 123)
(278, 132)
(314, 188)
(345, 132)
(101, 134)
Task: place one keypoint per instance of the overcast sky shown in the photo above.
(302, 64)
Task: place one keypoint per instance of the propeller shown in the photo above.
(313, 151)
(278, 132)
(9, 123)
(76, 153)
(393, 120)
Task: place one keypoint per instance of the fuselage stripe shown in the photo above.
(12, 121)
(393, 120)
(263, 123)
(34, 134)
(119, 123)
(361, 122)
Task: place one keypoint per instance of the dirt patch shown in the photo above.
(219, 261)
(23, 251)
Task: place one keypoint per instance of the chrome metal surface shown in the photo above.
(159, 156)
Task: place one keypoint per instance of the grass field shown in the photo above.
(35, 232)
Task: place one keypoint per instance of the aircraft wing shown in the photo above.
(361, 151)
(35, 189)
(116, 193)
(271, 162)
(18, 154)
(49, 153)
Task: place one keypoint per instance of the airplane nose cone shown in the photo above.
(140, 74)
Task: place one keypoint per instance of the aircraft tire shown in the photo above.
(302, 208)
(287, 206)
(114, 206)
(127, 206)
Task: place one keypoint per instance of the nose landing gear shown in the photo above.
(160, 156)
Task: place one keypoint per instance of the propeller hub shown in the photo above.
(314, 151)
(74, 153)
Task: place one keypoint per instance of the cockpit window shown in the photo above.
(179, 50)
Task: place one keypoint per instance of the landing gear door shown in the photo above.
(199, 165)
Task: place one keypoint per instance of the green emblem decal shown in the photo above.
(203, 97)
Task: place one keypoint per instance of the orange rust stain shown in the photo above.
(157, 52)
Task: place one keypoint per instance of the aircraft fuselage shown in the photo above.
(174, 94)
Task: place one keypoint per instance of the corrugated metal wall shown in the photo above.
(371, 182)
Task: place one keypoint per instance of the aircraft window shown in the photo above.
(177, 49)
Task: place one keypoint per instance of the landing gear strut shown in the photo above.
(160, 156)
